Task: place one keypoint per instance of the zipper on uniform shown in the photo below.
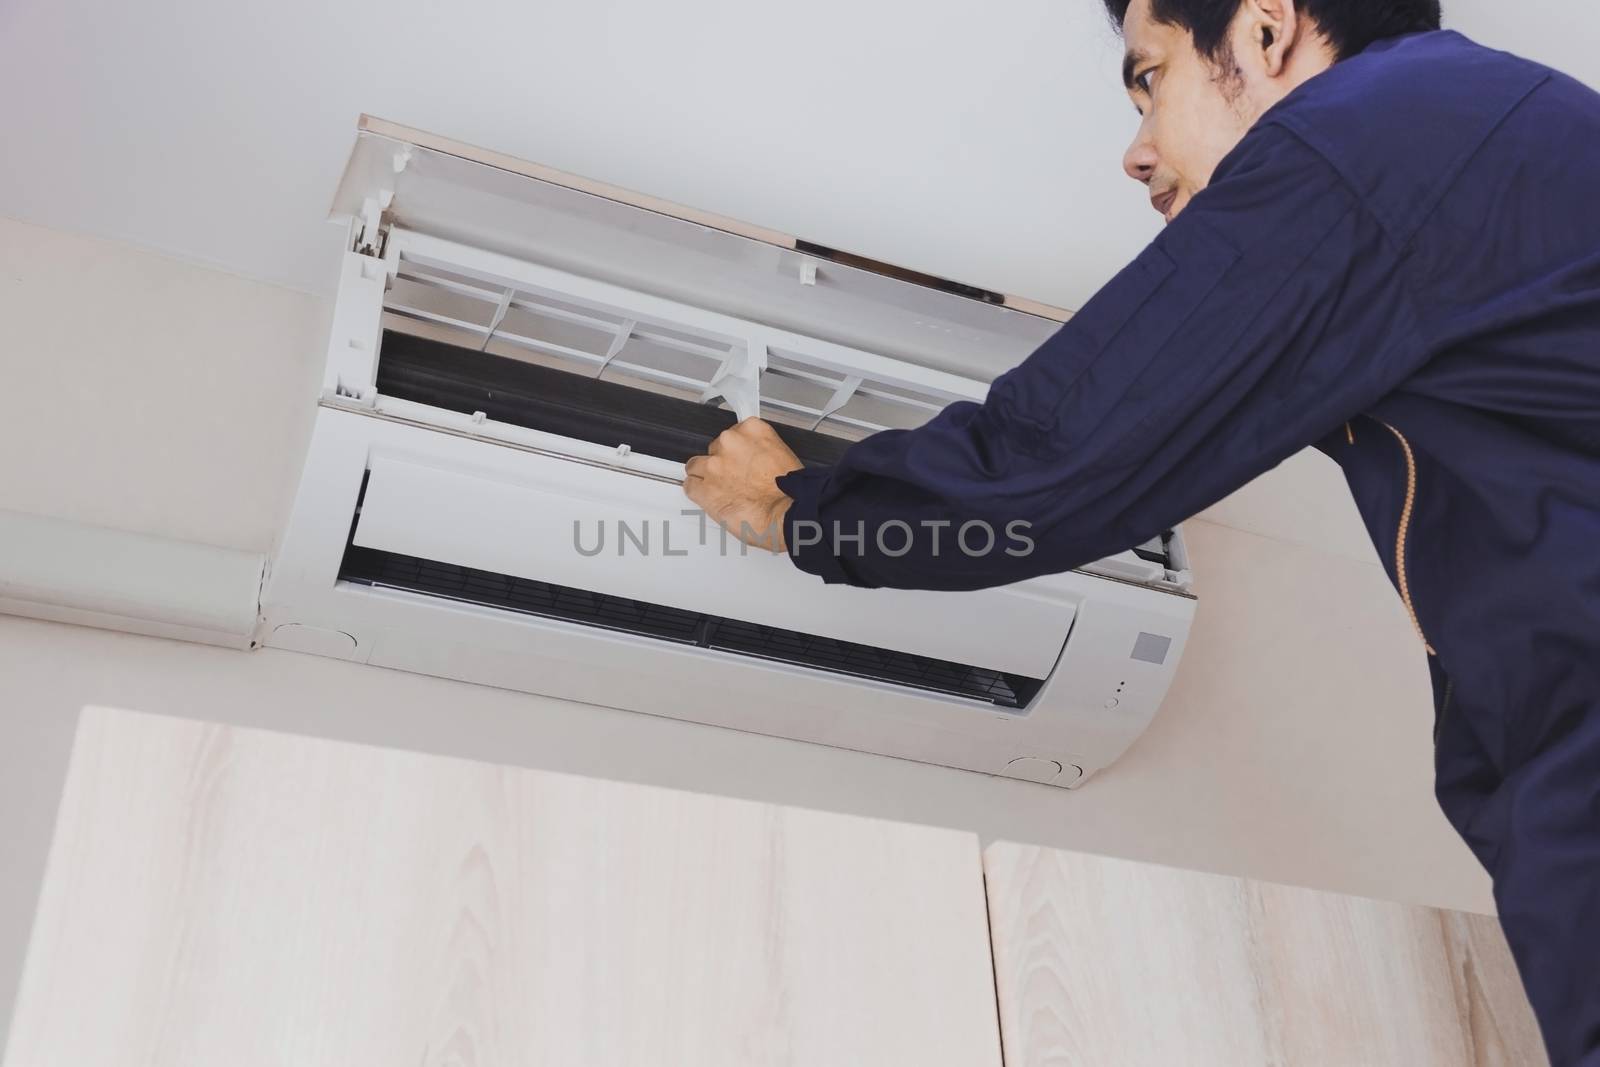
(1406, 511)
(1402, 579)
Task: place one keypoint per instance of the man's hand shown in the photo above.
(735, 482)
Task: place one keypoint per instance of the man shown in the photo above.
(1383, 240)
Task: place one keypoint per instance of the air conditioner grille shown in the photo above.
(392, 570)
(497, 315)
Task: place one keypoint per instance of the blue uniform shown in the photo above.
(1400, 263)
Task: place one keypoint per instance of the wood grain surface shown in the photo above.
(228, 898)
(1107, 962)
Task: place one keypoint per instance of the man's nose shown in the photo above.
(1140, 160)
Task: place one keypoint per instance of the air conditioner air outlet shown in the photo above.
(390, 570)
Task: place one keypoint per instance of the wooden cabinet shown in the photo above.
(222, 896)
(1107, 962)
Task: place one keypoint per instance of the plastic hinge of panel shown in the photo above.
(372, 225)
(1178, 572)
(738, 379)
(351, 369)
(1128, 567)
(370, 228)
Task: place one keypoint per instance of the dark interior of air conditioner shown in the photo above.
(562, 402)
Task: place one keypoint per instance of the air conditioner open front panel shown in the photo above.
(486, 200)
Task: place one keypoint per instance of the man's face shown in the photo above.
(1193, 110)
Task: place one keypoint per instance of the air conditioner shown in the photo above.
(520, 362)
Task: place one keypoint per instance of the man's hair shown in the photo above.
(1348, 25)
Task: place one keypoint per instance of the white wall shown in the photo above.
(148, 394)
(218, 130)
(981, 142)
(163, 397)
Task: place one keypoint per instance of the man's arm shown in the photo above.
(1269, 312)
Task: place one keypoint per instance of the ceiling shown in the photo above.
(977, 142)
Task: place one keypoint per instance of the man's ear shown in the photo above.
(1274, 27)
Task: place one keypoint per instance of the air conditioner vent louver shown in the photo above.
(392, 570)
(622, 346)
(770, 642)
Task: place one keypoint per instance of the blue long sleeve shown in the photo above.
(1270, 311)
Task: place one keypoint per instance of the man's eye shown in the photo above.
(1143, 83)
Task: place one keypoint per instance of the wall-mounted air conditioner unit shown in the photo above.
(521, 361)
